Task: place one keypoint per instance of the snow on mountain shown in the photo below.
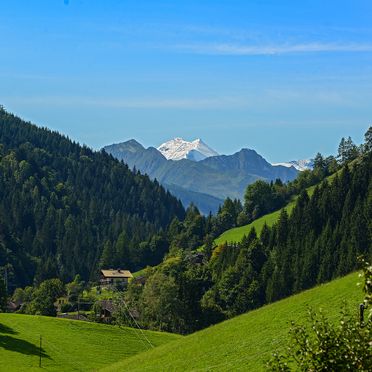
(300, 165)
(178, 148)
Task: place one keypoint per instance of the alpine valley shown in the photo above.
(195, 173)
(70, 215)
(180, 189)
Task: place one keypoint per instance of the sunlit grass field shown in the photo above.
(67, 345)
(236, 235)
(244, 343)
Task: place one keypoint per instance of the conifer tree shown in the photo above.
(3, 296)
(368, 140)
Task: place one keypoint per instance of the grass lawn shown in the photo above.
(244, 343)
(67, 345)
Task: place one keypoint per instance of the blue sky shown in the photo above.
(287, 78)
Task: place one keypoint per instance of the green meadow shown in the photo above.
(68, 345)
(236, 234)
(244, 343)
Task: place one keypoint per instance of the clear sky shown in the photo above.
(287, 78)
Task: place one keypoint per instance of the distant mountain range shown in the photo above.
(198, 175)
(301, 165)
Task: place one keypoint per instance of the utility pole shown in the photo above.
(361, 314)
(40, 352)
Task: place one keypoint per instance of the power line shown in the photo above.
(134, 330)
(134, 321)
(138, 326)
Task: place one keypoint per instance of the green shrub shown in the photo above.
(324, 346)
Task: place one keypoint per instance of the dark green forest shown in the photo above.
(64, 208)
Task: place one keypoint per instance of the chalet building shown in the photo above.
(111, 277)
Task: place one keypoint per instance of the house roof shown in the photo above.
(116, 273)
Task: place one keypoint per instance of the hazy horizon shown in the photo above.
(285, 80)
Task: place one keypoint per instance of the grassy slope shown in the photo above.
(68, 345)
(245, 342)
(236, 234)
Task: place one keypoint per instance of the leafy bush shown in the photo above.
(324, 346)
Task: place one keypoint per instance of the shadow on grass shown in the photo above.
(6, 329)
(21, 346)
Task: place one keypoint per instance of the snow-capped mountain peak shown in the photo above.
(178, 148)
(300, 165)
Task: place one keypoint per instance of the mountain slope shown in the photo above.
(180, 177)
(247, 341)
(206, 203)
(218, 176)
(236, 234)
(63, 342)
(62, 203)
(248, 162)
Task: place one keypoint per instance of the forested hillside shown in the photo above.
(66, 210)
(319, 241)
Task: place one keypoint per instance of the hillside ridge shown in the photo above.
(62, 203)
(236, 234)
